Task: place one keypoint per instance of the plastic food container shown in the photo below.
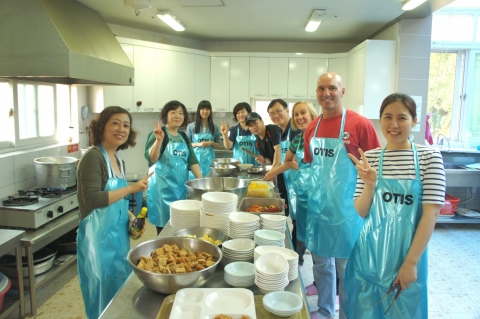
(4, 289)
(450, 206)
(261, 189)
(250, 201)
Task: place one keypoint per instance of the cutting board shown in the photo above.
(166, 309)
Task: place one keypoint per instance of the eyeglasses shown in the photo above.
(277, 112)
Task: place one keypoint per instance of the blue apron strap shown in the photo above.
(316, 127)
(238, 130)
(288, 135)
(343, 123)
(380, 164)
(109, 168)
(415, 161)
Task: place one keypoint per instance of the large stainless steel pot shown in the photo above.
(56, 171)
(197, 187)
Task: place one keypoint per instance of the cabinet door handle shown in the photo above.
(217, 109)
(299, 95)
(259, 94)
(276, 95)
(148, 109)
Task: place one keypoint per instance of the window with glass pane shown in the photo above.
(36, 110)
(441, 88)
(454, 28)
(6, 120)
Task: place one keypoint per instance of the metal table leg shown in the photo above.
(31, 280)
(21, 294)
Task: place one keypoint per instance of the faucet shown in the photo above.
(444, 139)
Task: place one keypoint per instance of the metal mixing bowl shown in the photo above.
(230, 161)
(171, 283)
(223, 169)
(215, 234)
(197, 187)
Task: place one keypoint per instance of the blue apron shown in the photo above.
(205, 155)
(292, 197)
(102, 248)
(381, 248)
(298, 180)
(168, 183)
(247, 142)
(332, 221)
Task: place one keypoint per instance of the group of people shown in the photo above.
(364, 212)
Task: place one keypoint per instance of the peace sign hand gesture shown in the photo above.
(223, 127)
(158, 132)
(365, 171)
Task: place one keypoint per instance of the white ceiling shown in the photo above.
(258, 20)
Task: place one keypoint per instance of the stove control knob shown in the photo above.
(60, 209)
(50, 214)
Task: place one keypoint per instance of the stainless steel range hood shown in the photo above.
(59, 41)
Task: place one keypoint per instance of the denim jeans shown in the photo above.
(325, 280)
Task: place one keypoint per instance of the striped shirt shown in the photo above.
(294, 144)
(398, 164)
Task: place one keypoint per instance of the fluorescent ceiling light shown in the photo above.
(169, 19)
(315, 20)
(412, 4)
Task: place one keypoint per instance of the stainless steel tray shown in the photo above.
(37, 269)
(250, 201)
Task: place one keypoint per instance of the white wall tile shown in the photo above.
(415, 46)
(414, 68)
(24, 166)
(26, 184)
(50, 152)
(6, 173)
(7, 191)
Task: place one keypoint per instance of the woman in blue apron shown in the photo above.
(102, 240)
(239, 136)
(400, 208)
(205, 136)
(303, 114)
(170, 156)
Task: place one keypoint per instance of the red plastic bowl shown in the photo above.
(2, 294)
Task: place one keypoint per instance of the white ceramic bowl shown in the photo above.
(244, 167)
(282, 303)
(268, 234)
(240, 269)
(239, 244)
(271, 264)
(289, 254)
(273, 218)
(219, 197)
(241, 217)
(186, 205)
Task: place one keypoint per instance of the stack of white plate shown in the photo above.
(239, 249)
(271, 273)
(185, 213)
(269, 237)
(239, 274)
(273, 222)
(242, 225)
(215, 209)
(290, 256)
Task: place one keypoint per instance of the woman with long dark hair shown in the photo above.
(205, 136)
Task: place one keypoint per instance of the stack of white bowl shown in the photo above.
(239, 274)
(269, 237)
(290, 256)
(271, 273)
(242, 225)
(282, 303)
(185, 213)
(273, 222)
(239, 249)
(215, 209)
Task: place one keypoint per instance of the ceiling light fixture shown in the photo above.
(169, 19)
(315, 20)
(138, 5)
(412, 4)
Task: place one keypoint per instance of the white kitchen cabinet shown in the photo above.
(370, 76)
(186, 80)
(166, 77)
(239, 80)
(278, 78)
(258, 77)
(202, 79)
(316, 67)
(220, 87)
(145, 90)
(297, 78)
(339, 66)
(103, 96)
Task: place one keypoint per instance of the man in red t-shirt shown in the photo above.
(324, 232)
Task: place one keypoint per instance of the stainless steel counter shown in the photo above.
(134, 300)
(9, 241)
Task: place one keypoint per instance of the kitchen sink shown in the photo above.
(457, 175)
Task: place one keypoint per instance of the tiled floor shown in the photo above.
(454, 278)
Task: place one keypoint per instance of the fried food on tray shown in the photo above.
(170, 259)
(263, 209)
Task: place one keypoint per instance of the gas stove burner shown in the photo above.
(20, 200)
(28, 193)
